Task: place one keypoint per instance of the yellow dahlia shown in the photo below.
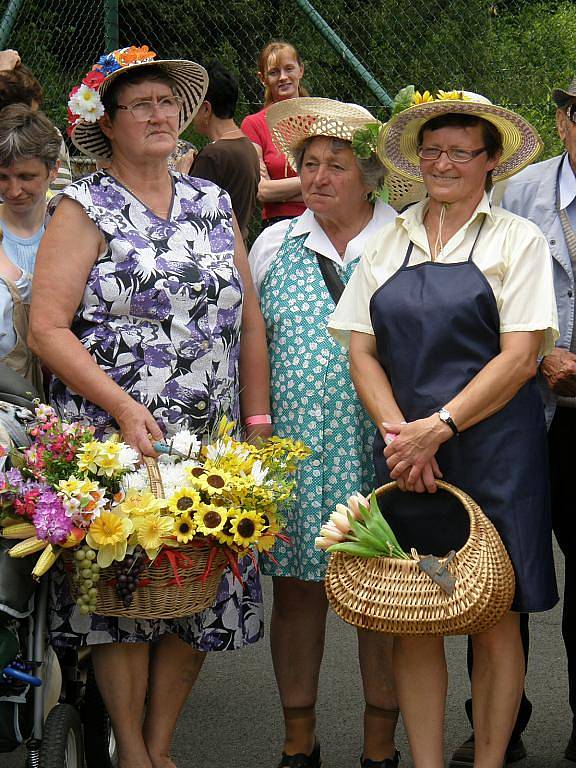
(151, 532)
(108, 535)
(141, 503)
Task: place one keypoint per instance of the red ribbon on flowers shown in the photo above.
(174, 557)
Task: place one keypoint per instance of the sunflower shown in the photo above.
(214, 481)
(184, 528)
(151, 532)
(246, 528)
(422, 98)
(109, 535)
(210, 519)
(184, 501)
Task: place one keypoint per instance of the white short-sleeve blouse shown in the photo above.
(511, 252)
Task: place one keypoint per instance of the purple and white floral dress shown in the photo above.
(161, 315)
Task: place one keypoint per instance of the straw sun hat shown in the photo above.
(292, 121)
(85, 102)
(398, 140)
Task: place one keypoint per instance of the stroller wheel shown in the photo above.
(99, 741)
(62, 745)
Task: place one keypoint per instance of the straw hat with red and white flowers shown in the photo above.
(85, 106)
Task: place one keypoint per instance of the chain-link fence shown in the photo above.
(513, 51)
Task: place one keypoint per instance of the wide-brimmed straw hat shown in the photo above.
(292, 121)
(561, 98)
(85, 103)
(398, 140)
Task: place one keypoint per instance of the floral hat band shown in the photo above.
(85, 106)
(398, 140)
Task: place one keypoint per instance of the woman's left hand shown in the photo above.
(258, 432)
(414, 446)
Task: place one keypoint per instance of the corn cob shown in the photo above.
(27, 547)
(45, 561)
(19, 531)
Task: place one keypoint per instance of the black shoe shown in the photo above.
(570, 751)
(301, 760)
(390, 762)
(463, 757)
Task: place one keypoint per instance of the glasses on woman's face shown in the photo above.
(454, 154)
(142, 111)
(571, 112)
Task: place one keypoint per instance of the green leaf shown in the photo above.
(403, 99)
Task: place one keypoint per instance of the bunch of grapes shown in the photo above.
(86, 576)
(128, 579)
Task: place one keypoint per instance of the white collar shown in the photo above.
(566, 183)
(319, 241)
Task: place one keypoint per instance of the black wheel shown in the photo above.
(99, 742)
(62, 739)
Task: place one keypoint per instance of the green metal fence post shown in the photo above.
(8, 20)
(338, 44)
(111, 25)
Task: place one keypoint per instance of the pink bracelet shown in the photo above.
(262, 418)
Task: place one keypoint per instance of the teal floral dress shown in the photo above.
(313, 399)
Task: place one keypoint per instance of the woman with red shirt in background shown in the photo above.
(280, 70)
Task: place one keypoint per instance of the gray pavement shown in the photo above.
(233, 719)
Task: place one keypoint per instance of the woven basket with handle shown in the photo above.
(161, 596)
(396, 596)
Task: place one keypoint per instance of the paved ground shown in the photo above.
(232, 719)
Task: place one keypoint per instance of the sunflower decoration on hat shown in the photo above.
(85, 106)
(398, 139)
(293, 121)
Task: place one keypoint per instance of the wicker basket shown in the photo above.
(161, 597)
(395, 596)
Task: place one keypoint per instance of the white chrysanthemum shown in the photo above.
(217, 450)
(136, 481)
(87, 104)
(128, 457)
(186, 442)
(175, 476)
(258, 474)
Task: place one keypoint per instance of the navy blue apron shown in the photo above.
(436, 326)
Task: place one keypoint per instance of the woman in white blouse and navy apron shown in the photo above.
(447, 315)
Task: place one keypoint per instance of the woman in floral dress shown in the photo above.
(313, 398)
(145, 311)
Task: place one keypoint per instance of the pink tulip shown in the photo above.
(329, 531)
(321, 543)
(341, 521)
(354, 503)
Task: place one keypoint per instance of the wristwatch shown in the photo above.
(444, 416)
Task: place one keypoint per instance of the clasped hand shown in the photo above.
(411, 454)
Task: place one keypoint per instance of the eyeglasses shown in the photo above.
(456, 155)
(142, 111)
(571, 112)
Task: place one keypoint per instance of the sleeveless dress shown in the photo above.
(313, 399)
(161, 315)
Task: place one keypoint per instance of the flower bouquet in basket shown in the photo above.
(151, 540)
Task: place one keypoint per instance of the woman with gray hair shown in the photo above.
(29, 149)
(299, 267)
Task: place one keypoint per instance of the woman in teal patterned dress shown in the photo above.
(313, 399)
